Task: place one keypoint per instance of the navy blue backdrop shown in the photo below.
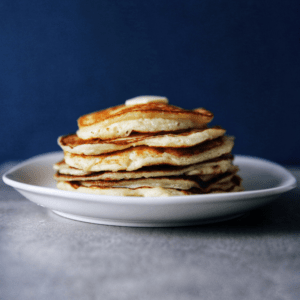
(60, 59)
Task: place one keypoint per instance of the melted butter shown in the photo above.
(146, 99)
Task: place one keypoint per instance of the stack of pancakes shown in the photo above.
(147, 148)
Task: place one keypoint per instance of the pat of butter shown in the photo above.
(146, 99)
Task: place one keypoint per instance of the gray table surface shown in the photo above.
(44, 256)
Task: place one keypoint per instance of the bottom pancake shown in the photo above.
(225, 183)
(138, 192)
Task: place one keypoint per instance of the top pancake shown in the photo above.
(231, 183)
(120, 121)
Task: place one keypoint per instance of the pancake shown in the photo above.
(207, 168)
(65, 169)
(208, 177)
(122, 192)
(230, 185)
(188, 138)
(137, 157)
(147, 148)
(122, 120)
(176, 182)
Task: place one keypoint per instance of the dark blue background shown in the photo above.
(60, 59)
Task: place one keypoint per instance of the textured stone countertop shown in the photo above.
(44, 256)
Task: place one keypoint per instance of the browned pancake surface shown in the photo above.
(149, 110)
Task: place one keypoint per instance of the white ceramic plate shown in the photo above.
(263, 180)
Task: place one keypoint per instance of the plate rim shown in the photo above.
(290, 183)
